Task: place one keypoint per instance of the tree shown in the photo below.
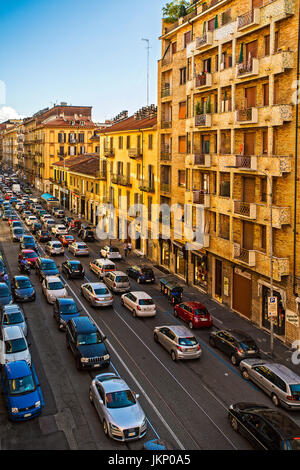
(174, 10)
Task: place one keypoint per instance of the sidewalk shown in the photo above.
(223, 316)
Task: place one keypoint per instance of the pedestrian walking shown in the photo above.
(125, 249)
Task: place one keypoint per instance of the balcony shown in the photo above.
(203, 120)
(121, 180)
(135, 153)
(197, 196)
(165, 187)
(147, 186)
(166, 91)
(281, 266)
(167, 61)
(280, 215)
(198, 159)
(203, 81)
(249, 19)
(246, 161)
(245, 209)
(166, 124)
(165, 152)
(101, 175)
(246, 116)
(109, 152)
(276, 115)
(244, 256)
(247, 69)
(204, 40)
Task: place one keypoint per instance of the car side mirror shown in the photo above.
(137, 395)
(100, 402)
(103, 338)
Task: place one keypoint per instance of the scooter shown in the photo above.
(24, 268)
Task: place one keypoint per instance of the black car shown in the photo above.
(86, 343)
(235, 344)
(36, 227)
(141, 274)
(266, 428)
(82, 229)
(64, 309)
(86, 235)
(22, 290)
(43, 236)
(73, 269)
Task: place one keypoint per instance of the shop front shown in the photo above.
(180, 258)
(165, 252)
(200, 262)
(279, 320)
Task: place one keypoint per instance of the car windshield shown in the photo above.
(49, 265)
(4, 292)
(188, 341)
(146, 302)
(23, 284)
(68, 237)
(90, 338)
(200, 311)
(101, 291)
(295, 390)
(68, 308)
(55, 285)
(21, 385)
(81, 246)
(76, 266)
(15, 345)
(114, 250)
(44, 233)
(121, 278)
(30, 255)
(121, 399)
(56, 245)
(12, 318)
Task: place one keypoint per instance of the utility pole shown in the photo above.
(148, 49)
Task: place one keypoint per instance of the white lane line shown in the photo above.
(132, 376)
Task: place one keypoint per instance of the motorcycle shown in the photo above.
(24, 268)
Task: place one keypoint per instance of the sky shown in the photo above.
(87, 53)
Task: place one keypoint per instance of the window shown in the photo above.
(276, 43)
(120, 142)
(263, 237)
(182, 110)
(182, 76)
(187, 38)
(265, 142)
(128, 142)
(263, 189)
(266, 94)
(181, 178)
(174, 47)
(182, 144)
(207, 65)
(150, 141)
(267, 45)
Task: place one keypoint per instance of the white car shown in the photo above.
(110, 252)
(140, 304)
(54, 248)
(60, 213)
(79, 249)
(59, 229)
(30, 220)
(13, 346)
(44, 217)
(49, 223)
(53, 288)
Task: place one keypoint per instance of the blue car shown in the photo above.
(141, 274)
(21, 390)
(5, 294)
(27, 242)
(22, 289)
(45, 267)
(64, 309)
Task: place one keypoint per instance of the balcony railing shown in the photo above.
(165, 152)
(243, 255)
(201, 198)
(101, 175)
(195, 157)
(250, 18)
(135, 153)
(166, 61)
(108, 152)
(166, 124)
(202, 120)
(245, 209)
(246, 115)
(122, 180)
(204, 40)
(203, 80)
(245, 69)
(165, 187)
(246, 161)
(147, 186)
(166, 90)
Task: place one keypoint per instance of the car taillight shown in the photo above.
(180, 348)
(290, 397)
(139, 308)
(114, 284)
(198, 347)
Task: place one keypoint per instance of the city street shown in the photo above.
(185, 402)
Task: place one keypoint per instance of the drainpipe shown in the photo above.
(296, 161)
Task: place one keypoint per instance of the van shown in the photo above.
(276, 380)
(102, 266)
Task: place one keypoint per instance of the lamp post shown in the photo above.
(270, 195)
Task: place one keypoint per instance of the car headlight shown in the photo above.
(84, 359)
(114, 427)
(106, 357)
(15, 410)
(37, 404)
(144, 423)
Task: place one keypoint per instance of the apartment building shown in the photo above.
(128, 156)
(226, 127)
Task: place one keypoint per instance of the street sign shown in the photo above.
(272, 307)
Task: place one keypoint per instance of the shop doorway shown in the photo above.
(279, 320)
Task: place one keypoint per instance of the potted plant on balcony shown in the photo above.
(175, 10)
(199, 108)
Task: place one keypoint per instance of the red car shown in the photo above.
(8, 196)
(193, 313)
(66, 239)
(12, 218)
(30, 255)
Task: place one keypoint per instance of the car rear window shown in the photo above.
(12, 318)
(147, 271)
(200, 311)
(114, 250)
(188, 341)
(295, 390)
(68, 308)
(30, 255)
(101, 291)
(55, 285)
(247, 345)
(121, 279)
(145, 302)
(15, 345)
(82, 246)
(49, 265)
(57, 245)
(4, 291)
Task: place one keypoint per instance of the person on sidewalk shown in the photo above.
(125, 249)
(129, 247)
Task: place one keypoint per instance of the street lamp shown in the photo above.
(271, 243)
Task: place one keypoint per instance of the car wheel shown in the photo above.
(234, 360)
(175, 312)
(191, 326)
(234, 423)
(245, 374)
(155, 338)
(91, 397)
(173, 356)
(212, 342)
(105, 428)
(275, 399)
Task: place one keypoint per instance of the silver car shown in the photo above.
(117, 281)
(121, 414)
(13, 346)
(54, 248)
(12, 315)
(276, 380)
(79, 249)
(178, 341)
(97, 294)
